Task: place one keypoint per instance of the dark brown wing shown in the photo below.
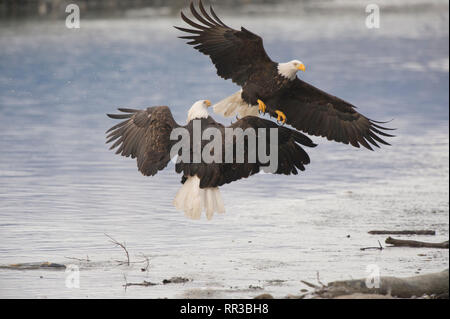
(236, 54)
(144, 135)
(318, 113)
(291, 155)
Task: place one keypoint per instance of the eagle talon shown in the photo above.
(261, 107)
(281, 117)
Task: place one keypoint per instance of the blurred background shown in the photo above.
(61, 188)
(55, 9)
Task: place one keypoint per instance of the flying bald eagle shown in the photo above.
(146, 136)
(273, 87)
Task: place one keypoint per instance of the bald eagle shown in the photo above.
(146, 136)
(273, 87)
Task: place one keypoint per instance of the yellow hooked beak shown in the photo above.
(301, 67)
(208, 103)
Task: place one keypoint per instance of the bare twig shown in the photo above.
(402, 232)
(122, 245)
(79, 259)
(379, 247)
(126, 282)
(144, 283)
(147, 261)
(406, 287)
(310, 284)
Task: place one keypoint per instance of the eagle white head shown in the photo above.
(199, 110)
(289, 69)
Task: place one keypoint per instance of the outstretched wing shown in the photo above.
(318, 113)
(236, 54)
(291, 155)
(144, 135)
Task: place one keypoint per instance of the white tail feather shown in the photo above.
(235, 104)
(193, 200)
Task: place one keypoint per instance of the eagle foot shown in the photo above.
(261, 107)
(281, 117)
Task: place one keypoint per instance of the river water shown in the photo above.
(62, 190)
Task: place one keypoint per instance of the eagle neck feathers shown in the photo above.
(197, 111)
(286, 70)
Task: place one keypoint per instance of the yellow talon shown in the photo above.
(281, 117)
(262, 106)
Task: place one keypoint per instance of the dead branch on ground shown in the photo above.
(434, 284)
(147, 261)
(402, 232)
(379, 247)
(416, 244)
(122, 245)
(144, 283)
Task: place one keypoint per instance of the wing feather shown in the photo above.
(291, 155)
(144, 135)
(236, 54)
(318, 113)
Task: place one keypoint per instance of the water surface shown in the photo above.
(61, 189)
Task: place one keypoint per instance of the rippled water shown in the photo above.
(61, 189)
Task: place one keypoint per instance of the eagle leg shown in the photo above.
(281, 116)
(261, 107)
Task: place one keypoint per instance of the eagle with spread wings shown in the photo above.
(146, 136)
(272, 87)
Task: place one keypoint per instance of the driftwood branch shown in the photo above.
(34, 265)
(144, 283)
(414, 243)
(435, 284)
(311, 285)
(318, 279)
(402, 232)
(122, 245)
